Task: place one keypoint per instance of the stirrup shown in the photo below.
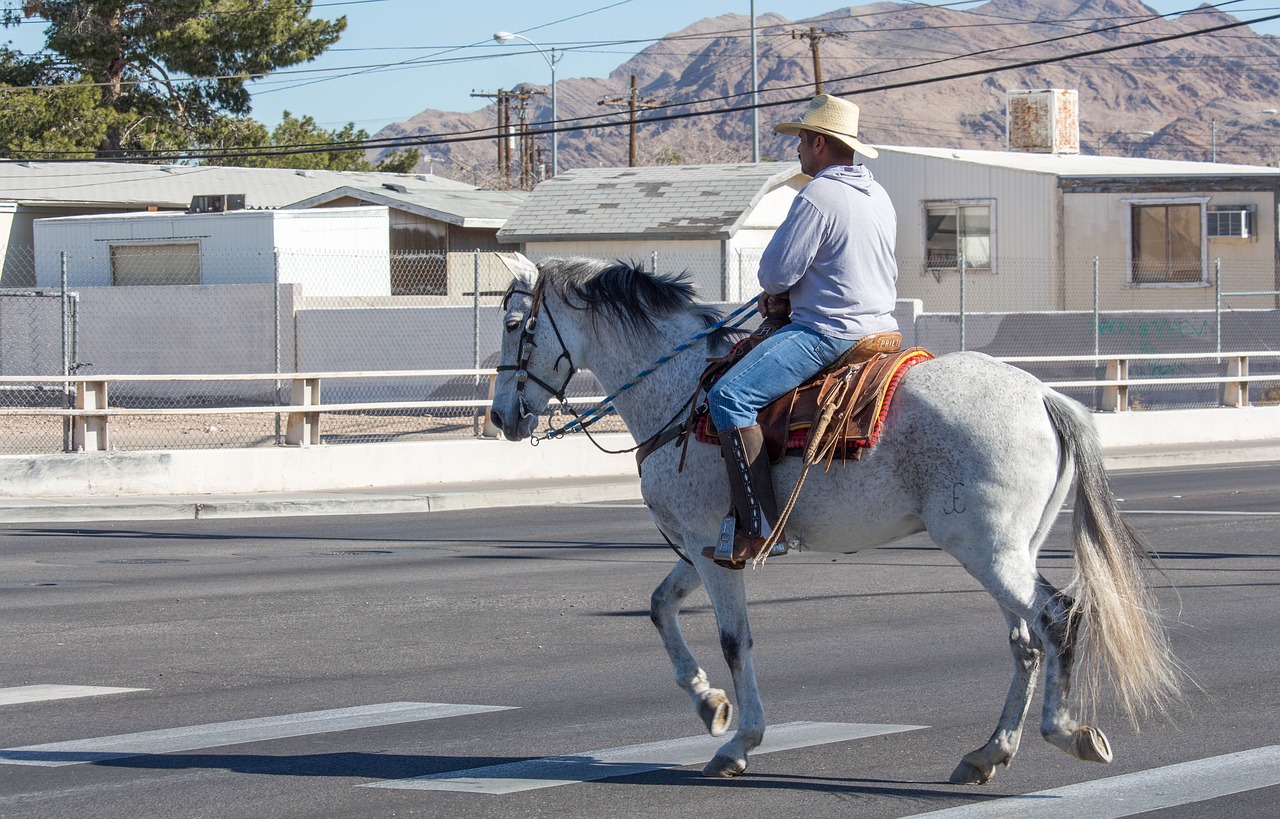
(723, 553)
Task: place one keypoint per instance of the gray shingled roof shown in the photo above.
(465, 208)
(661, 201)
(172, 186)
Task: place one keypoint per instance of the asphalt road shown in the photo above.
(543, 612)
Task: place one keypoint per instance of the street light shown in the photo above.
(552, 59)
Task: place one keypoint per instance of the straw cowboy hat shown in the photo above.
(833, 117)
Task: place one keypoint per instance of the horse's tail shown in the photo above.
(1121, 637)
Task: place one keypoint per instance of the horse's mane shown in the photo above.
(623, 291)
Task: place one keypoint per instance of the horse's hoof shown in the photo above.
(969, 773)
(1090, 745)
(723, 766)
(716, 712)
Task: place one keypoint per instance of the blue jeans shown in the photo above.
(777, 365)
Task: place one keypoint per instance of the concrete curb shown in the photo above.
(411, 500)
(480, 495)
(397, 478)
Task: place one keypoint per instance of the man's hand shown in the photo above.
(771, 306)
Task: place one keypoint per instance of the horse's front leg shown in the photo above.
(727, 590)
(711, 704)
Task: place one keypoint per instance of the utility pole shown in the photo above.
(504, 128)
(815, 36)
(632, 102)
(528, 176)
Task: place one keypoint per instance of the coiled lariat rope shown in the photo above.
(816, 451)
(604, 408)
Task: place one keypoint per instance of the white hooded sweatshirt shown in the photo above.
(834, 253)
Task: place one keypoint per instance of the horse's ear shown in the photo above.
(521, 266)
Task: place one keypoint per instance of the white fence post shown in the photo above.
(1236, 393)
(89, 432)
(1115, 397)
(304, 426)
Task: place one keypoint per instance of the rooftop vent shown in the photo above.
(216, 203)
(392, 186)
(1044, 121)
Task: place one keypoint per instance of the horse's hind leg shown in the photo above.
(1030, 597)
(711, 704)
(979, 766)
(1058, 632)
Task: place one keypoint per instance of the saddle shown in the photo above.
(840, 411)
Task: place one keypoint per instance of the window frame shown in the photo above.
(956, 204)
(118, 249)
(1130, 204)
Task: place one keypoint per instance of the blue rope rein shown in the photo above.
(605, 407)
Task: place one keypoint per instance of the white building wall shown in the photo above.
(331, 251)
(335, 251)
(773, 206)
(1025, 228)
(744, 249)
(7, 213)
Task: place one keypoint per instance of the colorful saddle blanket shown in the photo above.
(855, 394)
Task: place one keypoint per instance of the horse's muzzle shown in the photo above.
(516, 430)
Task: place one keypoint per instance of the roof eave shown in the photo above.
(691, 235)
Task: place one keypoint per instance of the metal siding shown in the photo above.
(235, 247)
(1024, 231)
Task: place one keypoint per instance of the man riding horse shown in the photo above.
(833, 259)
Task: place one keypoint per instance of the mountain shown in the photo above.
(1173, 98)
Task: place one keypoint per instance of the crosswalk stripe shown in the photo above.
(220, 734)
(42, 693)
(1131, 794)
(589, 766)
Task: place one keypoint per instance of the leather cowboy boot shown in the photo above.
(751, 489)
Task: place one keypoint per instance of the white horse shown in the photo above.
(977, 453)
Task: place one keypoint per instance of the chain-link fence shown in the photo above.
(178, 309)
(39, 333)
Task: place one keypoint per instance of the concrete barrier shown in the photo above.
(1130, 439)
(309, 469)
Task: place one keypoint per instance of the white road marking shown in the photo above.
(1135, 793)
(589, 766)
(1189, 512)
(41, 693)
(219, 734)
(613, 505)
(1066, 510)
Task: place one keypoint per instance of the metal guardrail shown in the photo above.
(92, 410)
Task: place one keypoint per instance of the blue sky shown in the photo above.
(370, 77)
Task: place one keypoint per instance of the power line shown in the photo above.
(563, 126)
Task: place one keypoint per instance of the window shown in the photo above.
(1168, 243)
(1231, 222)
(956, 232)
(134, 265)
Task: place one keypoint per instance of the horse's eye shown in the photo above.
(513, 324)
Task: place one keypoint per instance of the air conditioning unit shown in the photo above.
(216, 203)
(1231, 222)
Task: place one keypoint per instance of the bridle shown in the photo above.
(526, 345)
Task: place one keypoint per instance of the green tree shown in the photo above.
(165, 69)
(43, 112)
(324, 150)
